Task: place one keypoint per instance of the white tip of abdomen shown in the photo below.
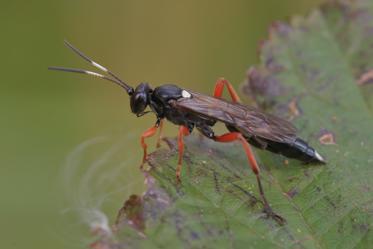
(319, 157)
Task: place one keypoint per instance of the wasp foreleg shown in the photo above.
(148, 133)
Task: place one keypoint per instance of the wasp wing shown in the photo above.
(251, 122)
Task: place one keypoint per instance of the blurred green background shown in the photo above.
(46, 115)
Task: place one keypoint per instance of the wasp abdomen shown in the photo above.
(299, 149)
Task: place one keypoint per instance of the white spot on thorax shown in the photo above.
(185, 94)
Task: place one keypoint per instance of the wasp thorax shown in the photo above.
(140, 98)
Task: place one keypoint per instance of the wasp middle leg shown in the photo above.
(183, 131)
(160, 136)
(236, 136)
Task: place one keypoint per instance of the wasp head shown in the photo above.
(140, 99)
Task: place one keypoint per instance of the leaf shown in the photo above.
(309, 73)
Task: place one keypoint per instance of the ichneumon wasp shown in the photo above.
(189, 110)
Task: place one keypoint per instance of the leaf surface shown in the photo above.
(309, 73)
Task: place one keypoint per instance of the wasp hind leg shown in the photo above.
(219, 87)
(183, 131)
(236, 136)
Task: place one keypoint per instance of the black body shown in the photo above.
(161, 100)
(203, 111)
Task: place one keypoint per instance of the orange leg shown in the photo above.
(160, 136)
(219, 86)
(183, 131)
(234, 136)
(148, 133)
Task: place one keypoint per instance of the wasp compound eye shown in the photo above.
(139, 99)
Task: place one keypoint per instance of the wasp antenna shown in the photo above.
(83, 71)
(128, 88)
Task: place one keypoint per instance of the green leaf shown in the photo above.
(309, 72)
